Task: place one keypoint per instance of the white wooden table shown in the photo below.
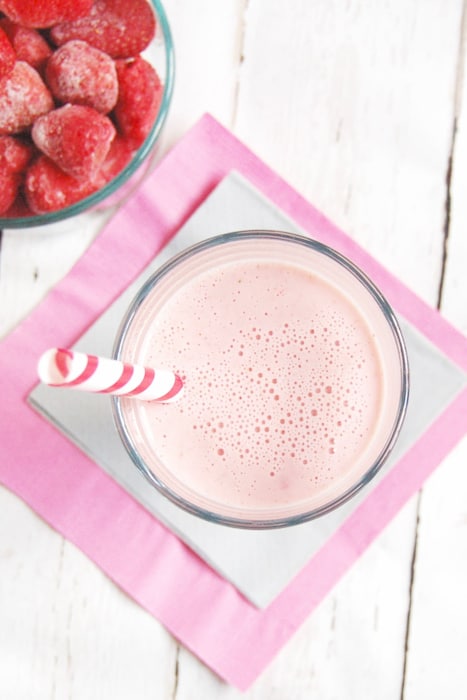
(362, 106)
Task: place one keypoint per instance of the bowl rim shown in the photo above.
(139, 157)
(306, 515)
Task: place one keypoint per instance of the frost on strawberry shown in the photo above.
(47, 188)
(40, 14)
(119, 27)
(15, 153)
(29, 44)
(76, 138)
(81, 74)
(23, 98)
(139, 99)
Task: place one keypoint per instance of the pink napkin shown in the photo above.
(236, 639)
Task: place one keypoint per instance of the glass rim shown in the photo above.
(136, 161)
(388, 314)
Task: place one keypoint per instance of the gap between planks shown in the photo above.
(241, 57)
(176, 673)
(460, 67)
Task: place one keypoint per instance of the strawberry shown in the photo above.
(44, 13)
(15, 153)
(139, 99)
(47, 188)
(118, 157)
(14, 157)
(7, 55)
(84, 75)
(9, 185)
(18, 209)
(119, 27)
(23, 97)
(30, 46)
(76, 138)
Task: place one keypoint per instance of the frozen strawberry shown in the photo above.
(44, 13)
(18, 209)
(15, 153)
(30, 46)
(119, 27)
(7, 55)
(76, 138)
(119, 156)
(81, 74)
(139, 99)
(23, 97)
(47, 188)
(9, 185)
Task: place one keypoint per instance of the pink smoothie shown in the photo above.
(288, 398)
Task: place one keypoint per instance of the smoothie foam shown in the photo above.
(287, 397)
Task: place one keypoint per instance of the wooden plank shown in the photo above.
(33, 260)
(437, 642)
(353, 104)
(207, 36)
(438, 622)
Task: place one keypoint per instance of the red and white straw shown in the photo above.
(77, 370)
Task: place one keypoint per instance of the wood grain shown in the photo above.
(363, 108)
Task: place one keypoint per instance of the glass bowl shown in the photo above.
(160, 53)
(282, 342)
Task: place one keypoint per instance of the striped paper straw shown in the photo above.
(77, 370)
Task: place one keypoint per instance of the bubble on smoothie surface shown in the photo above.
(282, 383)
